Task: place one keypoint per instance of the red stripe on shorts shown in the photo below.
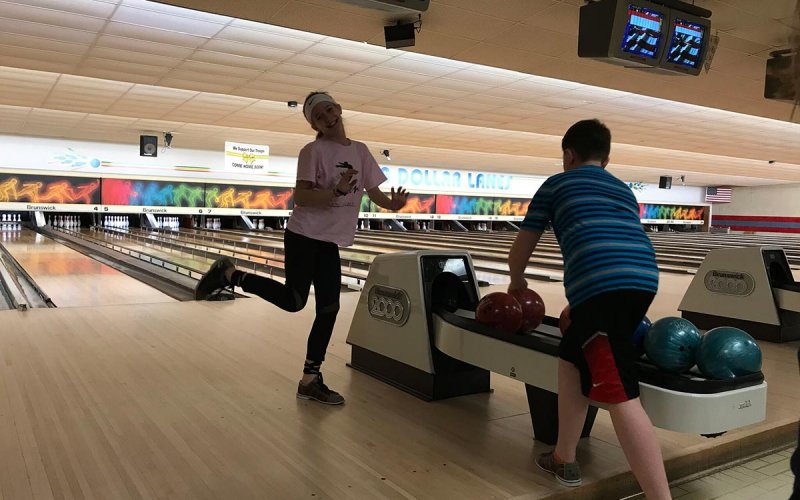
(606, 383)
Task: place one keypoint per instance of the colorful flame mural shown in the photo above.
(416, 204)
(95, 191)
(49, 189)
(152, 193)
(249, 197)
(671, 212)
(481, 205)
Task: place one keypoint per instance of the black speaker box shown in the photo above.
(148, 145)
(398, 36)
(665, 182)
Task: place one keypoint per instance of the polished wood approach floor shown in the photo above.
(72, 279)
(197, 401)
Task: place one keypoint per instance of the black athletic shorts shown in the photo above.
(599, 341)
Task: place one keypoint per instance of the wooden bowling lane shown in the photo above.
(261, 251)
(492, 271)
(72, 279)
(480, 244)
(186, 259)
(247, 258)
(197, 400)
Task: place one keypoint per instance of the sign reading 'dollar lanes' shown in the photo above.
(433, 180)
(243, 158)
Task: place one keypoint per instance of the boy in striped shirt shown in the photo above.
(610, 277)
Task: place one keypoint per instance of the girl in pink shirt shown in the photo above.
(332, 173)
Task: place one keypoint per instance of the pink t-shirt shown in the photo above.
(322, 163)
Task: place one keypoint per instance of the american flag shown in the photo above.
(719, 194)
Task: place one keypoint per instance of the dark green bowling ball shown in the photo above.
(727, 352)
(671, 343)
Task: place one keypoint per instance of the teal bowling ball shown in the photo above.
(727, 352)
(671, 343)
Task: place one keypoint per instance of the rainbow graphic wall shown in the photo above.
(480, 205)
(672, 212)
(416, 204)
(17, 188)
(87, 193)
(151, 193)
(248, 197)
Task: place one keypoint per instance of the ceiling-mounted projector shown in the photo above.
(391, 5)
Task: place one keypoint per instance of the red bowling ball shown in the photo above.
(564, 320)
(532, 308)
(501, 311)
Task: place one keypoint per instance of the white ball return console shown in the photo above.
(415, 328)
(751, 288)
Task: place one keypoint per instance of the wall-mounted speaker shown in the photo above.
(148, 145)
(665, 182)
(399, 35)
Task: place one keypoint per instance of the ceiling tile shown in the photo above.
(219, 58)
(153, 34)
(215, 71)
(48, 16)
(336, 22)
(146, 17)
(10, 41)
(92, 8)
(510, 10)
(450, 20)
(137, 45)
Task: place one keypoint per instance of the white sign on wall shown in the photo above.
(240, 157)
(74, 157)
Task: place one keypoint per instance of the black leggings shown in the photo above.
(307, 261)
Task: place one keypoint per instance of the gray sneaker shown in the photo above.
(318, 391)
(214, 279)
(567, 474)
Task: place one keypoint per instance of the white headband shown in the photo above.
(313, 101)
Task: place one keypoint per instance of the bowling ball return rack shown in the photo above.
(400, 336)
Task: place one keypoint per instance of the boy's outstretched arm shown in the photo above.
(519, 255)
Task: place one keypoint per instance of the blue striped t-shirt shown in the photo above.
(595, 217)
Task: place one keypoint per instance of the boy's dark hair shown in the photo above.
(590, 139)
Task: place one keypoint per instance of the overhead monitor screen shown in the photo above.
(643, 31)
(686, 46)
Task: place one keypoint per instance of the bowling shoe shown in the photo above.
(214, 279)
(567, 474)
(318, 391)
